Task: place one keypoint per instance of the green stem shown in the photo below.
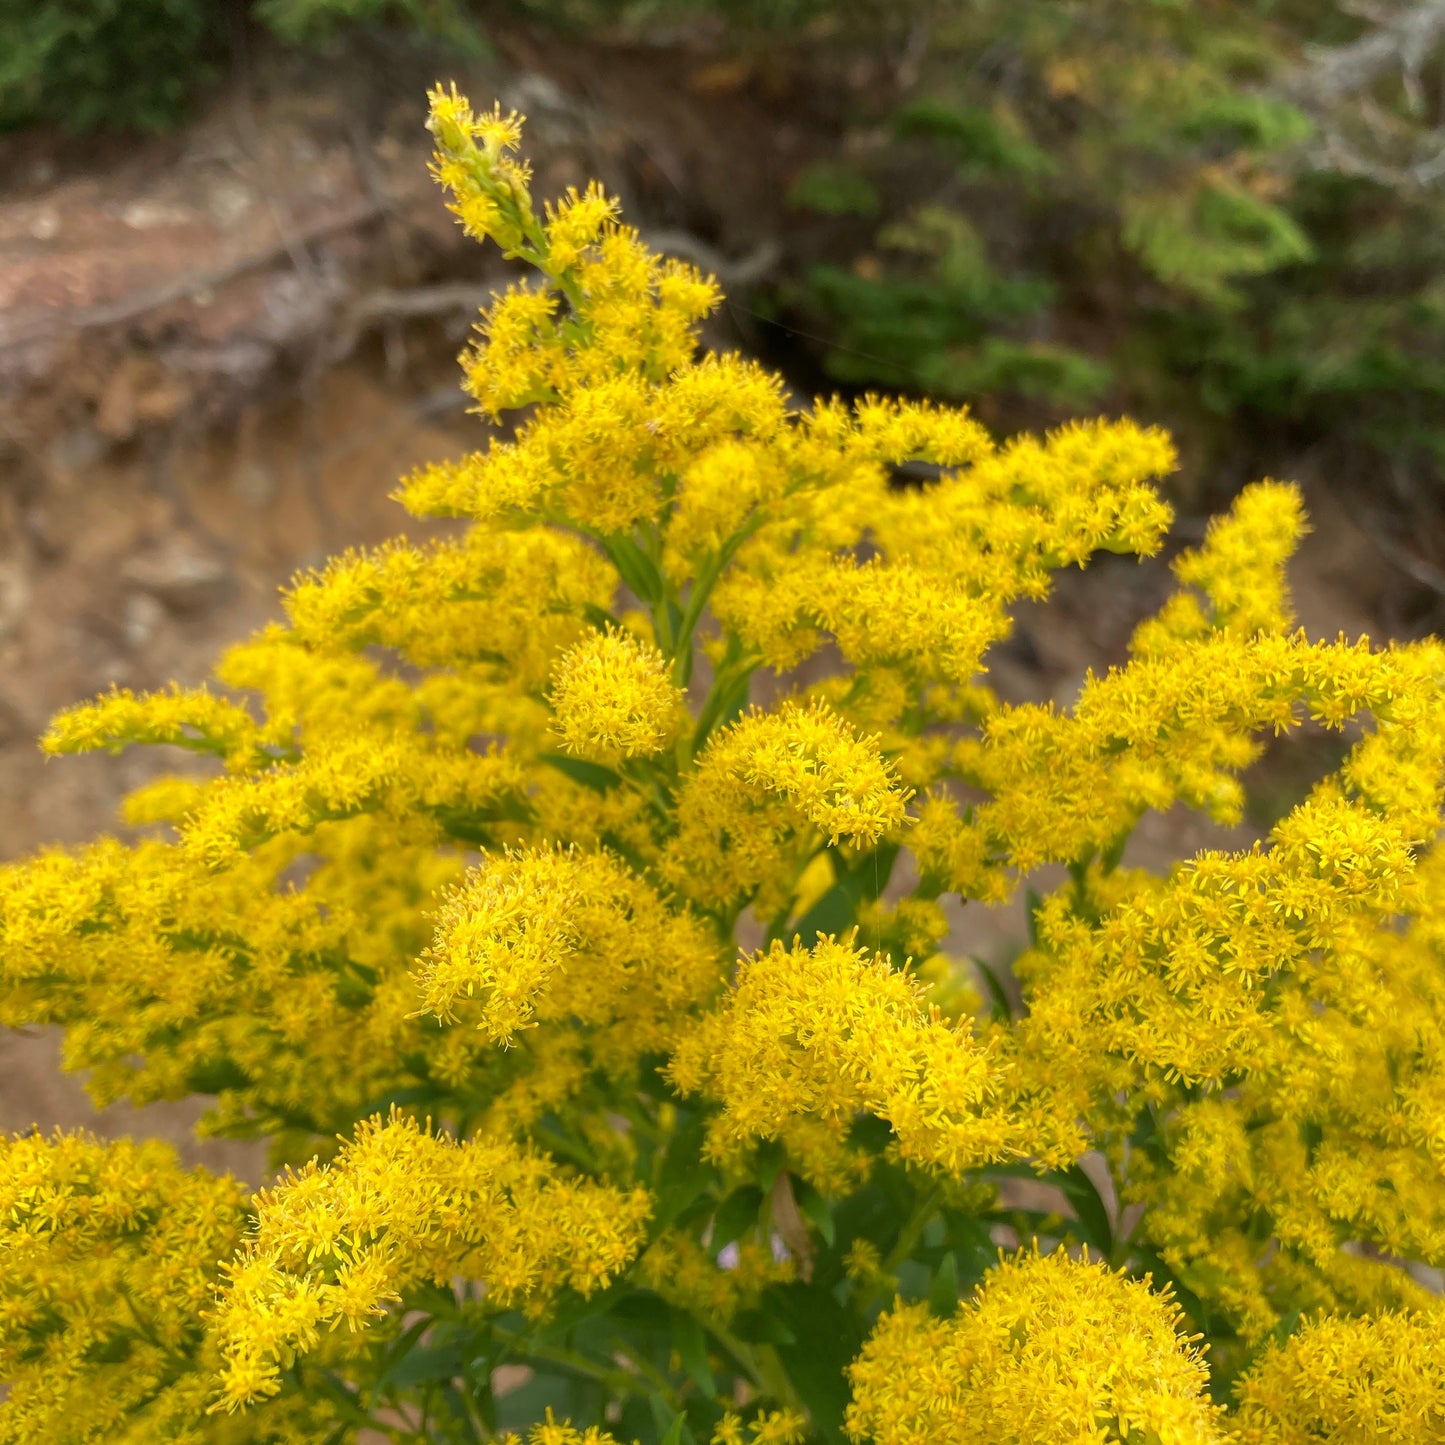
(727, 678)
(612, 1379)
(912, 1231)
(702, 589)
(908, 1238)
(774, 1378)
(179, 1361)
(556, 1143)
(742, 1352)
(649, 1372)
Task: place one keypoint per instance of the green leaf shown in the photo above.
(673, 614)
(683, 1178)
(691, 1343)
(943, 1295)
(1288, 1325)
(737, 1214)
(214, 1075)
(972, 1248)
(870, 1133)
(817, 1210)
(641, 1315)
(834, 189)
(442, 1361)
(991, 141)
(771, 1157)
(1000, 1006)
(856, 883)
(1113, 853)
(590, 775)
(635, 568)
(567, 1395)
(601, 618)
(671, 1424)
(1033, 902)
(825, 1339)
(1093, 1213)
(459, 1409)
(572, 1311)
(1245, 121)
(832, 914)
(726, 705)
(762, 1327)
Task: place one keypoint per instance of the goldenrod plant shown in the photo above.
(603, 1024)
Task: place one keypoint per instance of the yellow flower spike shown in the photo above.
(1239, 572)
(778, 1427)
(612, 698)
(191, 718)
(472, 160)
(576, 222)
(729, 1430)
(561, 1432)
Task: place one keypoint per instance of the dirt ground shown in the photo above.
(219, 352)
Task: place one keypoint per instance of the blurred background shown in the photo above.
(231, 299)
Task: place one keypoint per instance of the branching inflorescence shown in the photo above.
(461, 938)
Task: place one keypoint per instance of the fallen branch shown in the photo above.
(131, 308)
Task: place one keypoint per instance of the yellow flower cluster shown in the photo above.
(763, 782)
(769, 1427)
(684, 1274)
(500, 833)
(400, 1205)
(1050, 1352)
(560, 1432)
(108, 1258)
(188, 718)
(835, 1032)
(288, 1005)
(549, 935)
(1349, 1382)
(612, 698)
(1235, 582)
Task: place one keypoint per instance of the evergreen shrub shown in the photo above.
(1169, 209)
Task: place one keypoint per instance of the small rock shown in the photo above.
(74, 451)
(14, 594)
(179, 573)
(143, 614)
(229, 200)
(138, 391)
(255, 484)
(154, 215)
